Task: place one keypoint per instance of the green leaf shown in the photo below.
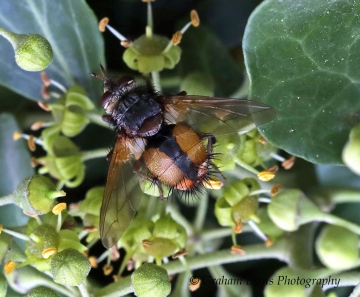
(70, 27)
(204, 53)
(302, 57)
(14, 166)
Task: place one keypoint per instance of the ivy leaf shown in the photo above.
(14, 167)
(70, 27)
(204, 52)
(303, 59)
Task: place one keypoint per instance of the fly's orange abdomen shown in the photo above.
(176, 156)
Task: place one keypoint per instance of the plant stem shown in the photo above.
(93, 154)
(253, 252)
(156, 80)
(83, 290)
(201, 213)
(8, 199)
(341, 195)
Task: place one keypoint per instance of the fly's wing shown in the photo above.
(217, 116)
(122, 195)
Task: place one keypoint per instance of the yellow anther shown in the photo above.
(31, 143)
(1, 228)
(44, 106)
(265, 176)
(45, 79)
(194, 284)
(275, 189)
(58, 208)
(107, 269)
(47, 253)
(16, 135)
(102, 24)
(287, 164)
(37, 125)
(238, 226)
(176, 38)
(146, 243)
(32, 215)
(213, 183)
(93, 262)
(195, 20)
(237, 250)
(9, 266)
(269, 241)
(182, 252)
(44, 93)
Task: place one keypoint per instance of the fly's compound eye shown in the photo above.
(105, 99)
(125, 81)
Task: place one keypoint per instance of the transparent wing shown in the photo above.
(217, 116)
(122, 196)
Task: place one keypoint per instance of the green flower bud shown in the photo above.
(32, 51)
(280, 287)
(68, 239)
(236, 202)
(63, 161)
(151, 280)
(150, 189)
(251, 151)
(337, 247)
(266, 225)
(3, 285)
(227, 146)
(167, 237)
(42, 292)
(42, 238)
(350, 154)
(36, 194)
(69, 267)
(284, 209)
(147, 54)
(198, 83)
(69, 111)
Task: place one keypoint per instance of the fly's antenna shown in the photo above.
(98, 76)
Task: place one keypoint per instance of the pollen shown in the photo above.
(176, 38)
(214, 184)
(265, 176)
(275, 189)
(58, 208)
(237, 250)
(195, 20)
(102, 24)
(34, 162)
(31, 143)
(238, 227)
(16, 135)
(107, 269)
(289, 163)
(47, 253)
(9, 266)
